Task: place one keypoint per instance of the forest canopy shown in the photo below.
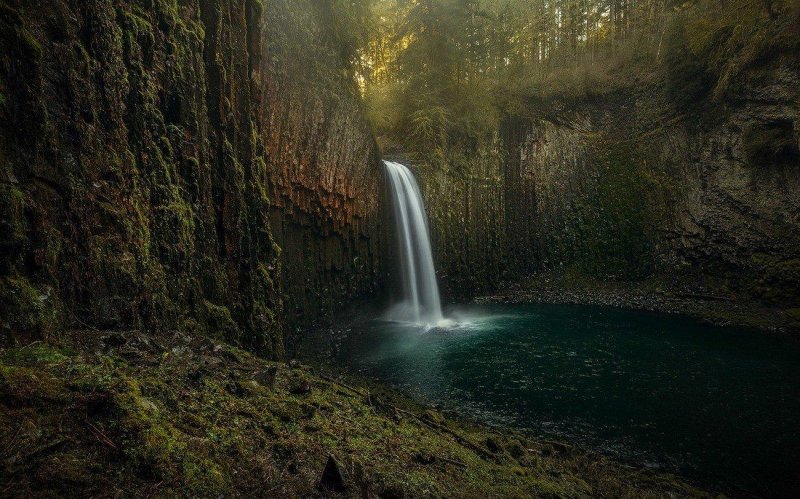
(438, 75)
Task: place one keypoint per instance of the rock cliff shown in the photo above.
(200, 164)
(631, 185)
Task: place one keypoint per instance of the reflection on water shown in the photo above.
(719, 405)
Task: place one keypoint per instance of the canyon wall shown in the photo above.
(325, 176)
(465, 209)
(193, 164)
(630, 185)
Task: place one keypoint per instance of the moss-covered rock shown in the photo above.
(154, 153)
(27, 312)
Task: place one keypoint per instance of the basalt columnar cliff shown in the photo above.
(636, 184)
(200, 164)
(708, 194)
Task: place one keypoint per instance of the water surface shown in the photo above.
(717, 405)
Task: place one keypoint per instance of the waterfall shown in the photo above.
(421, 300)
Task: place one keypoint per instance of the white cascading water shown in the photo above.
(422, 303)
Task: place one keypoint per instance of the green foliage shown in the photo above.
(451, 68)
(428, 125)
(687, 75)
(384, 108)
(346, 26)
(439, 97)
(709, 46)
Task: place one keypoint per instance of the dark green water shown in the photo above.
(716, 405)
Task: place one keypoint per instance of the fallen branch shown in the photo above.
(101, 436)
(81, 323)
(335, 382)
(453, 461)
(152, 490)
(9, 485)
(461, 440)
(40, 450)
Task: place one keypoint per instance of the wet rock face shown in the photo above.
(163, 165)
(467, 225)
(711, 197)
(628, 187)
(740, 219)
(325, 176)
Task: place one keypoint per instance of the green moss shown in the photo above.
(30, 45)
(154, 446)
(53, 250)
(68, 468)
(790, 269)
(182, 421)
(13, 235)
(204, 477)
(24, 309)
(22, 41)
(38, 354)
(95, 378)
(220, 323)
(687, 77)
(794, 316)
(609, 233)
(137, 21)
(28, 384)
(151, 200)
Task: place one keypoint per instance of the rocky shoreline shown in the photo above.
(651, 296)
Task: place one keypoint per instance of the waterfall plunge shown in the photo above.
(422, 304)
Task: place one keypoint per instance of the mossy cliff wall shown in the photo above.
(629, 186)
(325, 176)
(464, 201)
(186, 164)
(632, 185)
(585, 193)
